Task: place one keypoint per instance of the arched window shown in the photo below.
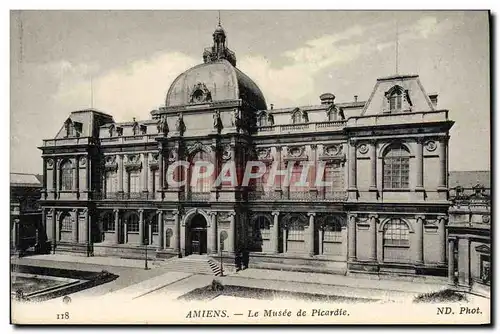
(66, 175)
(133, 223)
(262, 229)
(66, 223)
(396, 233)
(108, 223)
(395, 98)
(396, 167)
(263, 120)
(332, 230)
(299, 116)
(296, 229)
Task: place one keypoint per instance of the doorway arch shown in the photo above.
(196, 238)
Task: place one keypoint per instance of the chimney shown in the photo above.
(272, 106)
(355, 98)
(327, 98)
(434, 99)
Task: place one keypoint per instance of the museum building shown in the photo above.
(105, 189)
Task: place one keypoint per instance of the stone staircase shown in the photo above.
(197, 264)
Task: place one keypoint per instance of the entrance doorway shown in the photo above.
(197, 237)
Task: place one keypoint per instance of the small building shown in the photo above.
(25, 212)
(469, 231)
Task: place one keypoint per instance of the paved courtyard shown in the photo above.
(134, 282)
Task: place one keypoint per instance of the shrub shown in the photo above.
(443, 296)
(216, 286)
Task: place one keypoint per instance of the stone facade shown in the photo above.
(469, 238)
(107, 189)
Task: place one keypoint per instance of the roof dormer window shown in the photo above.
(394, 99)
(299, 116)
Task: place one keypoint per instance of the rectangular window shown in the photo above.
(134, 182)
(332, 236)
(396, 172)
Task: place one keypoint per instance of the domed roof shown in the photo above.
(213, 81)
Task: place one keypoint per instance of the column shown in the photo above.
(117, 226)
(275, 232)
(373, 229)
(161, 230)
(54, 226)
(57, 165)
(75, 175)
(177, 234)
(86, 226)
(120, 173)
(419, 237)
(15, 229)
(277, 159)
(311, 233)
(232, 232)
(44, 190)
(464, 261)
(420, 165)
(442, 163)
(442, 237)
(87, 175)
(213, 233)
(161, 169)
(351, 239)
(451, 260)
(312, 171)
(145, 167)
(141, 227)
(181, 232)
(373, 165)
(352, 165)
(74, 231)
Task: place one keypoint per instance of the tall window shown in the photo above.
(332, 230)
(262, 230)
(203, 182)
(134, 181)
(111, 181)
(299, 117)
(296, 229)
(66, 223)
(66, 175)
(396, 167)
(395, 99)
(133, 223)
(396, 233)
(263, 120)
(108, 223)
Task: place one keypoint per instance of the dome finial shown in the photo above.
(219, 18)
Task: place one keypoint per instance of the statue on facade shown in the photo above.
(235, 118)
(162, 126)
(179, 125)
(217, 121)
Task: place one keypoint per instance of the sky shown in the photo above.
(123, 62)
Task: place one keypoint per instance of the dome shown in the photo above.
(214, 81)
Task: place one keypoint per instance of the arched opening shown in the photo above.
(65, 227)
(196, 242)
(396, 167)
(131, 228)
(396, 241)
(66, 175)
(107, 227)
(261, 234)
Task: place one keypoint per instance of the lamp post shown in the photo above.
(145, 248)
(221, 267)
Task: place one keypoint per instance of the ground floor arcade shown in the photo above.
(362, 240)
